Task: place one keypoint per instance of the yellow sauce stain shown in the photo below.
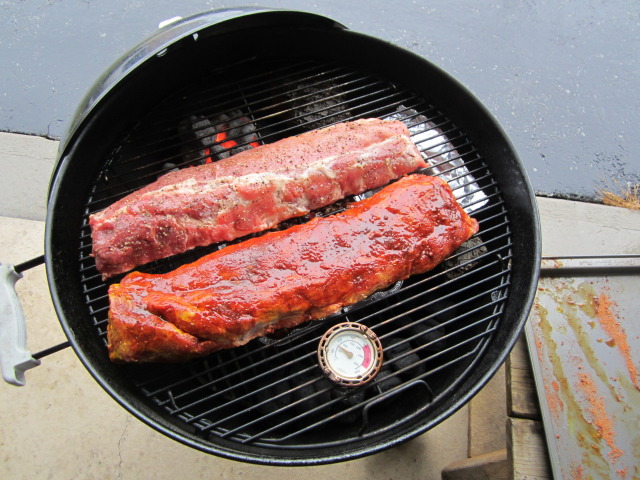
(588, 311)
(579, 426)
(585, 293)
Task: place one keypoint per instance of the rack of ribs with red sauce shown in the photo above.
(250, 192)
(288, 277)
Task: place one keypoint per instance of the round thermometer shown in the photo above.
(350, 354)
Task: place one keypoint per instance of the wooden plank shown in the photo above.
(527, 455)
(487, 417)
(489, 466)
(522, 399)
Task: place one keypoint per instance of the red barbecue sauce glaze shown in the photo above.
(285, 278)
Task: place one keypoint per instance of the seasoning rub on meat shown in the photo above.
(284, 278)
(250, 192)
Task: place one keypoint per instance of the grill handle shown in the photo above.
(15, 358)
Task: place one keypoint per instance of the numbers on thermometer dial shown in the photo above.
(350, 354)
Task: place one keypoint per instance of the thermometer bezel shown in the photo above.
(368, 336)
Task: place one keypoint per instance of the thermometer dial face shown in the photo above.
(350, 354)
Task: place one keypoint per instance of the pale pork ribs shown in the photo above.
(250, 192)
(288, 277)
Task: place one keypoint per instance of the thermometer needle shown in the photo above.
(347, 352)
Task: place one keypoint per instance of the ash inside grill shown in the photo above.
(434, 327)
(313, 103)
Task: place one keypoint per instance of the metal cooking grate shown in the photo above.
(271, 392)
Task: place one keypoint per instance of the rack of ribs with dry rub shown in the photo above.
(250, 192)
(288, 277)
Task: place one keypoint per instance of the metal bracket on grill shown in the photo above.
(389, 394)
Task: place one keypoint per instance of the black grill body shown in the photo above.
(260, 76)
